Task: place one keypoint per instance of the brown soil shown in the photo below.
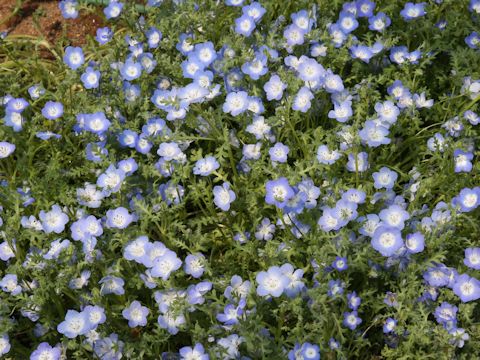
(50, 23)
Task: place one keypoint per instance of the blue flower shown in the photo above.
(195, 265)
(387, 240)
(113, 10)
(90, 78)
(112, 285)
(136, 314)
(301, 102)
(462, 161)
(254, 10)
(118, 218)
(271, 282)
(278, 192)
(206, 166)
(104, 35)
(351, 320)
(467, 288)
(347, 22)
(131, 70)
(45, 351)
(95, 315)
(9, 283)
(195, 353)
(68, 9)
(415, 243)
(279, 152)
(413, 11)
(389, 325)
(154, 36)
(353, 300)
(340, 263)
(6, 149)
(75, 323)
(357, 162)
(52, 110)
(365, 8)
(472, 258)
(473, 40)
(53, 220)
(302, 20)
(73, 57)
(294, 35)
(165, 264)
(394, 216)
(236, 103)
(223, 196)
(385, 178)
(244, 25)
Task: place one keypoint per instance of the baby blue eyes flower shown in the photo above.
(113, 10)
(274, 88)
(75, 323)
(394, 216)
(462, 161)
(351, 320)
(45, 352)
(68, 9)
(387, 240)
(95, 315)
(254, 10)
(112, 285)
(104, 35)
(358, 162)
(9, 283)
(53, 220)
(347, 22)
(301, 102)
(119, 218)
(278, 192)
(415, 243)
(6, 149)
(131, 70)
(472, 258)
(195, 265)
(165, 264)
(206, 166)
(52, 110)
(136, 314)
(294, 35)
(90, 78)
(279, 153)
(384, 179)
(36, 91)
(467, 288)
(236, 103)
(96, 123)
(413, 11)
(365, 8)
(340, 263)
(244, 25)
(473, 40)
(379, 22)
(73, 57)
(195, 353)
(271, 282)
(223, 196)
(389, 325)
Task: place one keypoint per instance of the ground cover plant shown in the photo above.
(243, 180)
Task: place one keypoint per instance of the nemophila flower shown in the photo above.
(354, 196)
(387, 112)
(379, 22)
(52, 110)
(255, 10)
(73, 57)
(111, 180)
(472, 258)
(128, 166)
(112, 285)
(4, 344)
(95, 315)
(278, 192)
(462, 161)
(335, 288)
(244, 25)
(309, 70)
(353, 300)
(223, 196)
(205, 53)
(394, 216)
(413, 11)
(118, 218)
(474, 6)
(6, 149)
(357, 162)
(75, 323)
(351, 320)
(113, 10)
(459, 336)
(36, 91)
(46, 135)
(16, 105)
(438, 275)
(436, 143)
(446, 315)
(154, 36)
(231, 313)
(361, 52)
(385, 178)
(53, 220)
(340, 263)
(279, 152)
(301, 102)
(9, 283)
(165, 264)
(271, 282)
(421, 101)
(472, 117)
(332, 82)
(195, 353)
(171, 322)
(128, 138)
(318, 49)
(466, 288)
(137, 249)
(171, 193)
(7, 251)
(136, 314)
(330, 220)
(55, 249)
(341, 111)
(206, 166)
(195, 265)
(236, 103)
(294, 35)
(90, 78)
(96, 123)
(131, 70)
(45, 352)
(259, 128)
(415, 243)
(389, 325)
(104, 35)
(326, 156)
(109, 348)
(347, 22)
(68, 9)
(387, 240)
(473, 40)
(274, 88)
(265, 230)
